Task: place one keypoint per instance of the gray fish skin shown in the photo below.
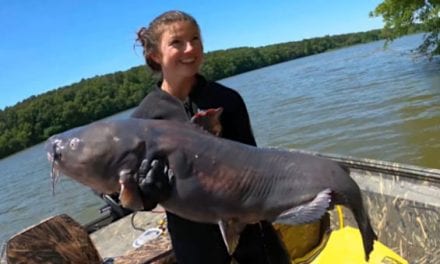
(215, 179)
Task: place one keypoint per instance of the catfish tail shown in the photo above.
(367, 232)
(352, 198)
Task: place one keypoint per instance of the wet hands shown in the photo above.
(155, 182)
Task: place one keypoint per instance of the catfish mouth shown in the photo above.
(61, 167)
(56, 172)
(65, 160)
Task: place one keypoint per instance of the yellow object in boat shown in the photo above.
(344, 246)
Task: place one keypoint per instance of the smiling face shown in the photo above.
(180, 51)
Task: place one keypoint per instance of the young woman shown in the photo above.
(172, 45)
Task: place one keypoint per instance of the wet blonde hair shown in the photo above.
(149, 37)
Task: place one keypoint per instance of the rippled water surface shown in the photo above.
(362, 101)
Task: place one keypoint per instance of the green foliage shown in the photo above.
(403, 17)
(38, 117)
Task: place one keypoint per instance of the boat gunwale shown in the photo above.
(412, 172)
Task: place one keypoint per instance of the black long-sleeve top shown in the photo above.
(236, 126)
(193, 242)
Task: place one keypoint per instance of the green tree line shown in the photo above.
(402, 16)
(38, 117)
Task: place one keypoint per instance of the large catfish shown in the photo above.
(214, 180)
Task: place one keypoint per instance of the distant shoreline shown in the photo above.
(36, 118)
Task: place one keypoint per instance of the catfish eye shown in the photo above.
(74, 142)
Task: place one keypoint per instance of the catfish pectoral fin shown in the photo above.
(308, 212)
(129, 195)
(231, 231)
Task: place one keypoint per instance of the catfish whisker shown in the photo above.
(55, 176)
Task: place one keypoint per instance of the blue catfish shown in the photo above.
(214, 180)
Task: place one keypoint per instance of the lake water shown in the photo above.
(362, 101)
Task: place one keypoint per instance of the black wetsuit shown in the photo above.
(194, 242)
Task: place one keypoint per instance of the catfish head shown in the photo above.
(107, 155)
(103, 156)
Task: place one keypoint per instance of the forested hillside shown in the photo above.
(36, 118)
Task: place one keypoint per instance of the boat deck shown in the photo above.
(116, 240)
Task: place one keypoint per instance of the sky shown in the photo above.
(47, 44)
